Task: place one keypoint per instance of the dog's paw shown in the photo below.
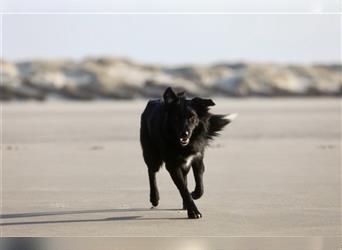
(155, 203)
(194, 214)
(196, 194)
(154, 199)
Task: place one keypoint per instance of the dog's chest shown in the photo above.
(188, 160)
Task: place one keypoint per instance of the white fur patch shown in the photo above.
(231, 117)
(189, 159)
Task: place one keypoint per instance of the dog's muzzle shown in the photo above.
(185, 138)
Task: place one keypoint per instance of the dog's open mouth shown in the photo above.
(184, 141)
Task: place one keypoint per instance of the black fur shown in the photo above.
(176, 131)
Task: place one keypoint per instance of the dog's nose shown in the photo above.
(185, 133)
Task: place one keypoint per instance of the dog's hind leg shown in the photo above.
(154, 193)
(153, 166)
(198, 169)
(153, 162)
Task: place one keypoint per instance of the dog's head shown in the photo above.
(183, 115)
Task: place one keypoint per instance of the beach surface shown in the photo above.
(76, 169)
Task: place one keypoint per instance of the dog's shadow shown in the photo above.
(117, 218)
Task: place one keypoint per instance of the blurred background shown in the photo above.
(47, 54)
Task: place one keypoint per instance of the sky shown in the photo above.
(172, 5)
(174, 38)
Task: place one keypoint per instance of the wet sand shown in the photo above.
(75, 169)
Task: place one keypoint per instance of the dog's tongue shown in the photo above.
(184, 140)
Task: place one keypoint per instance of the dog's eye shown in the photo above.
(192, 118)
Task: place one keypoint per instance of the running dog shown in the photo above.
(175, 131)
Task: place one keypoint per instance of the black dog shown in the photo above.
(176, 131)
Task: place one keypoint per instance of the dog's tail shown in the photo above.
(218, 122)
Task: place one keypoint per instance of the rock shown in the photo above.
(117, 78)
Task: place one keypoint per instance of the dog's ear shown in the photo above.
(201, 105)
(181, 94)
(169, 96)
(206, 102)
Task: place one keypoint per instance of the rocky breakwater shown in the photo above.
(115, 78)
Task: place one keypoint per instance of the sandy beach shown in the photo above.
(275, 171)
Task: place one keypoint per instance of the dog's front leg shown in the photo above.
(178, 179)
(185, 176)
(198, 169)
